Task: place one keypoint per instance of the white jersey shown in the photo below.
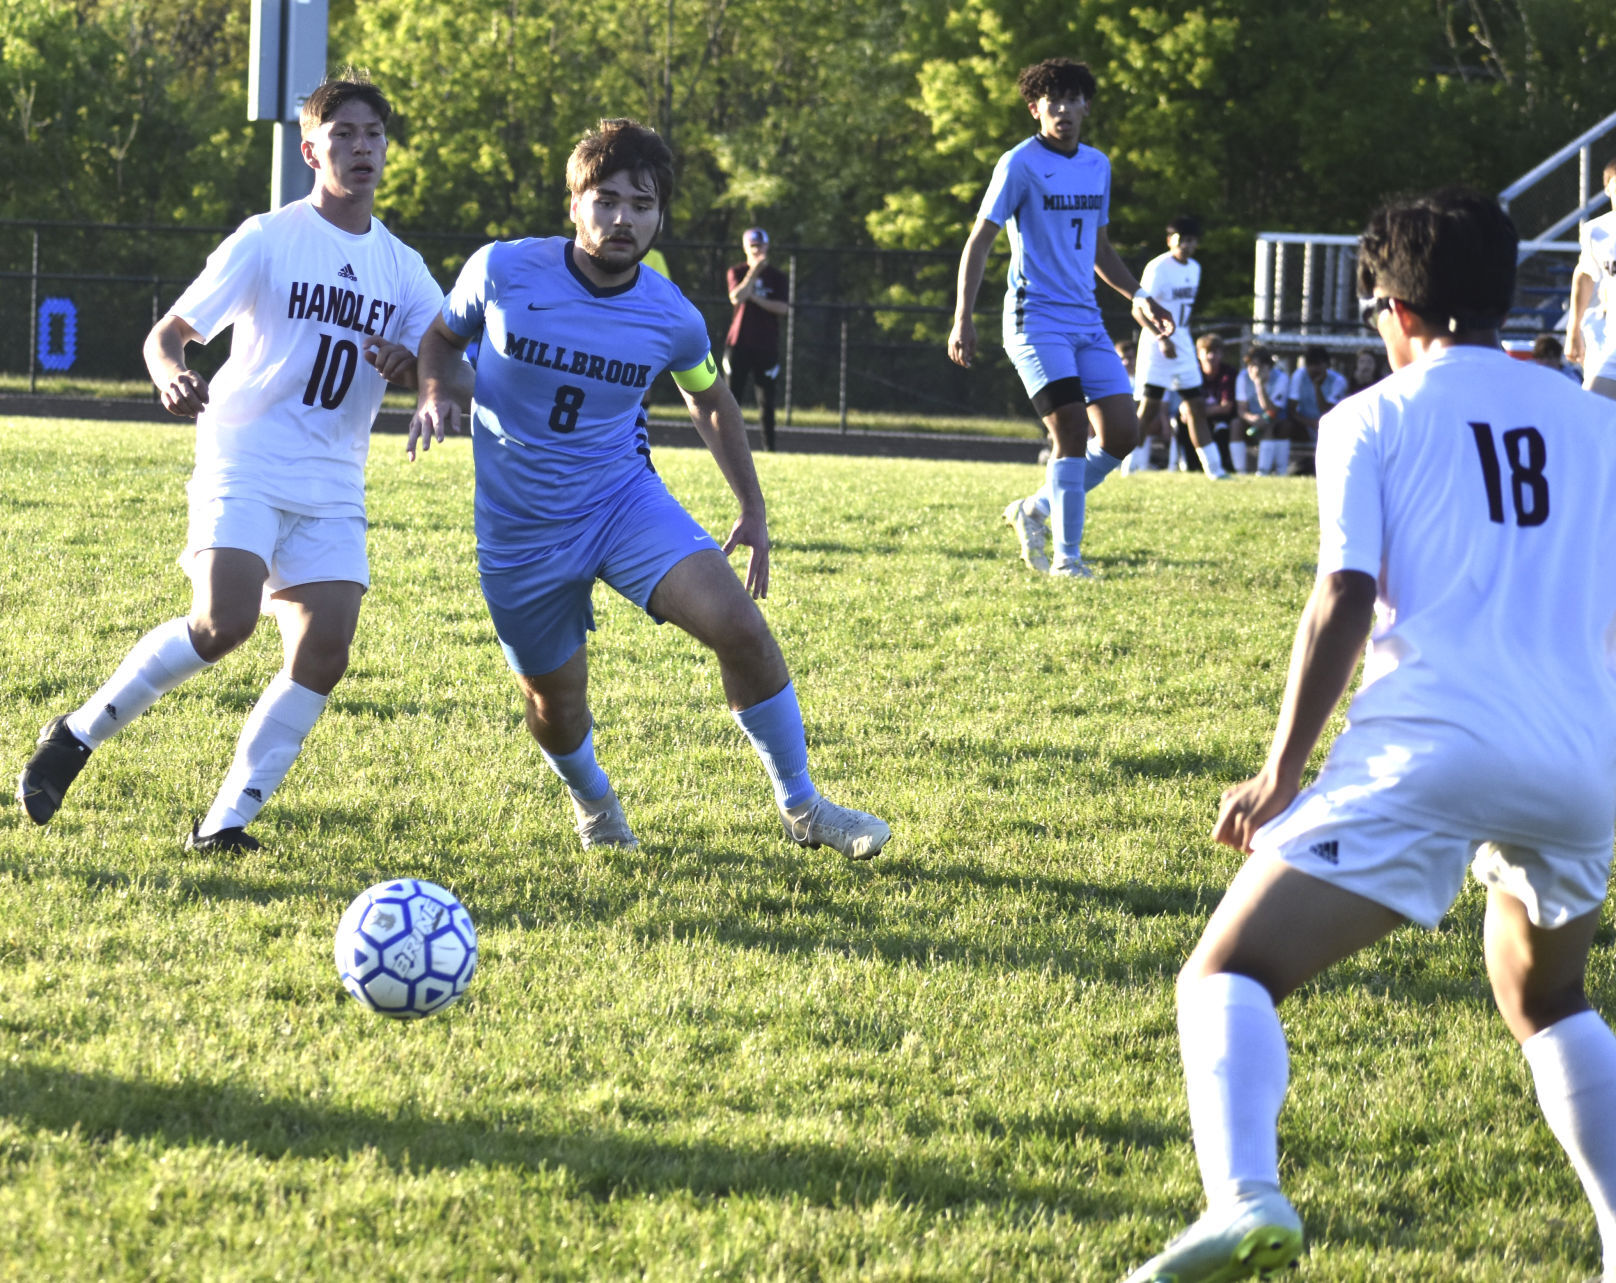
(1480, 492)
(1598, 261)
(289, 414)
(1174, 286)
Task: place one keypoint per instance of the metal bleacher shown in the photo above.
(1303, 283)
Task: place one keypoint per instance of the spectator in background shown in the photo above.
(761, 295)
(1218, 379)
(1546, 350)
(1259, 394)
(1366, 371)
(1314, 390)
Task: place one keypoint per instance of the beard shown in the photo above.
(592, 251)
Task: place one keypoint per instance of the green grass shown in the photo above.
(718, 1056)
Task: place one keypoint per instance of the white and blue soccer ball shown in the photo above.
(406, 948)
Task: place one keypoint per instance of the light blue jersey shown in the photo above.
(557, 426)
(1053, 206)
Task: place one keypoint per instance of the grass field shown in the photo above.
(718, 1057)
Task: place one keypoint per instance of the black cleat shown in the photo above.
(235, 839)
(58, 758)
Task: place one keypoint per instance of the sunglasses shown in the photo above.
(1369, 310)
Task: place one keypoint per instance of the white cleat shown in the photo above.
(602, 822)
(820, 822)
(1078, 569)
(1253, 1238)
(1032, 532)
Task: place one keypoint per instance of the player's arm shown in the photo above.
(183, 391)
(973, 263)
(718, 421)
(1582, 293)
(444, 380)
(1329, 639)
(1110, 268)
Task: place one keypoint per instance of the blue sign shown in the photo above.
(58, 339)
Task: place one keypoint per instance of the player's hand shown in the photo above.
(1248, 806)
(1158, 319)
(1169, 349)
(1573, 345)
(393, 361)
(753, 532)
(186, 394)
(434, 416)
(962, 341)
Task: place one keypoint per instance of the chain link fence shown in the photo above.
(865, 335)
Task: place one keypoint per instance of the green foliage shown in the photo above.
(833, 122)
(718, 1056)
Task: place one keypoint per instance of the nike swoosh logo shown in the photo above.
(1050, 174)
(540, 307)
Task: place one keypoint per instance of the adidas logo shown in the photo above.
(1330, 851)
(112, 711)
(347, 274)
(259, 797)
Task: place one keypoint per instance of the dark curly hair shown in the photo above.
(1056, 78)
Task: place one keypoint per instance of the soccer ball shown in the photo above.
(406, 948)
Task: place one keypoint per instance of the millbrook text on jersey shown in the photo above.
(585, 364)
(1066, 201)
(333, 305)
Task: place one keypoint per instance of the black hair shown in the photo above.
(1449, 256)
(1056, 78)
(1185, 225)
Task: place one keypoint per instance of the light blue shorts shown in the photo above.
(541, 609)
(1047, 357)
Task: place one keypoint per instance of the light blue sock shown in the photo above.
(1098, 465)
(1066, 512)
(774, 726)
(1042, 500)
(580, 770)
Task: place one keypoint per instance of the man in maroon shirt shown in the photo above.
(752, 346)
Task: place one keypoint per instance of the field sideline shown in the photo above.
(718, 1057)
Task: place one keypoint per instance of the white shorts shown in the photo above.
(297, 549)
(1154, 368)
(1418, 872)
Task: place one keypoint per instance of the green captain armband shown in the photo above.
(699, 377)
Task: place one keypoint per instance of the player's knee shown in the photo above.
(216, 633)
(556, 718)
(321, 669)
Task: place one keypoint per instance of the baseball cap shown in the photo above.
(755, 236)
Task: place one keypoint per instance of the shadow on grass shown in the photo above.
(603, 1161)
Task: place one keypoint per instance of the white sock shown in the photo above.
(1265, 457)
(159, 662)
(1236, 1069)
(1237, 454)
(1573, 1065)
(1066, 513)
(1282, 458)
(1211, 461)
(269, 744)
